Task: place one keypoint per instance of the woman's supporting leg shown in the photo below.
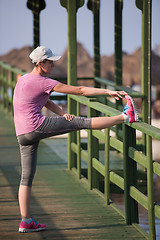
(28, 161)
(24, 201)
(106, 122)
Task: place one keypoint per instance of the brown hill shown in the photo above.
(131, 68)
(84, 62)
(18, 58)
(131, 64)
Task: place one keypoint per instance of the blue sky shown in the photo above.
(16, 24)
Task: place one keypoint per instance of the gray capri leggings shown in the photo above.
(52, 126)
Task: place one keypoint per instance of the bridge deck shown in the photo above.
(59, 199)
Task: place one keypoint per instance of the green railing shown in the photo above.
(124, 143)
(132, 157)
(8, 78)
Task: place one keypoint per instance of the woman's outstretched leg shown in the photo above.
(106, 122)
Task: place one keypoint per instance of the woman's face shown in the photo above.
(47, 66)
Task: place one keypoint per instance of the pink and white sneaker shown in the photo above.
(129, 112)
(32, 226)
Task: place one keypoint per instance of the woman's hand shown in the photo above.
(117, 94)
(68, 117)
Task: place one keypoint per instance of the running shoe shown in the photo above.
(129, 111)
(32, 226)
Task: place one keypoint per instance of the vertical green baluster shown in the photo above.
(146, 61)
(93, 151)
(150, 190)
(130, 175)
(89, 145)
(36, 6)
(8, 89)
(96, 16)
(14, 81)
(107, 177)
(144, 70)
(6, 93)
(126, 176)
(5, 87)
(72, 7)
(71, 136)
(78, 145)
(36, 24)
(72, 72)
(94, 6)
(118, 41)
(12, 86)
(118, 50)
(7, 99)
(146, 6)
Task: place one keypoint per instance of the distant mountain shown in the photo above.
(18, 58)
(84, 62)
(131, 64)
(131, 68)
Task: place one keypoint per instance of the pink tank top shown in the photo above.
(30, 95)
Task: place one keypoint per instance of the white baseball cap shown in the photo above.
(41, 53)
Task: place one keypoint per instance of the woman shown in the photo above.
(31, 93)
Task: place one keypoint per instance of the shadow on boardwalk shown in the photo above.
(59, 199)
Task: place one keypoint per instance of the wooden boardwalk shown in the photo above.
(59, 199)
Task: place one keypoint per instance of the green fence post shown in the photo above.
(36, 6)
(72, 72)
(78, 145)
(5, 88)
(72, 7)
(94, 6)
(118, 50)
(93, 151)
(9, 90)
(118, 41)
(145, 6)
(107, 168)
(146, 59)
(13, 80)
(130, 175)
(150, 190)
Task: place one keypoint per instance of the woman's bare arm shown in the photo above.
(87, 91)
(54, 108)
